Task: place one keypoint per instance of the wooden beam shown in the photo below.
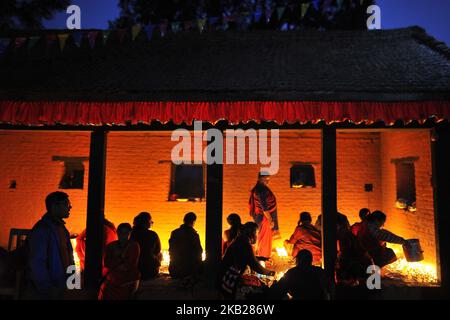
(214, 201)
(329, 201)
(441, 180)
(95, 209)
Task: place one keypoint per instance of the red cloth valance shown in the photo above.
(119, 113)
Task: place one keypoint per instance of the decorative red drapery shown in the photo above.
(119, 113)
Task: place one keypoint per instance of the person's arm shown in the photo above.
(254, 264)
(262, 199)
(387, 236)
(157, 250)
(294, 237)
(38, 259)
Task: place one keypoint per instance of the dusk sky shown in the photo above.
(433, 15)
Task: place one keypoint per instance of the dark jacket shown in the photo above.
(240, 255)
(185, 252)
(302, 283)
(150, 254)
(46, 270)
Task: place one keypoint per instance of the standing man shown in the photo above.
(263, 209)
(50, 251)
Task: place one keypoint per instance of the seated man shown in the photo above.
(306, 236)
(185, 249)
(363, 213)
(303, 282)
(373, 238)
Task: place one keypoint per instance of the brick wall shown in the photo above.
(27, 158)
(420, 224)
(138, 179)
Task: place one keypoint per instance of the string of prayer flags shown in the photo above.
(149, 31)
(62, 40)
(77, 38)
(135, 31)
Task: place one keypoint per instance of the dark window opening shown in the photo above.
(73, 177)
(406, 185)
(186, 183)
(302, 175)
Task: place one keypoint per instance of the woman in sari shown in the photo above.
(121, 261)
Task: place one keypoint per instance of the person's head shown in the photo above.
(363, 213)
(250, 231)
(305, 218)
(342, 225)
(263, 177)
(143, 220)
(234, 220)
(378, 218)
(189, 219)
(304, 258)
(123, 232)
(58, 205)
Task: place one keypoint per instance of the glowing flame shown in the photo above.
(166, 258)
(422, 272)
(282, 252)
(279, 275)
(75, 255)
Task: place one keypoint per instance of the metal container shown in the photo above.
(413, 251)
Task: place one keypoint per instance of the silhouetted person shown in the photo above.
(352, 259)
(263, 210)
(109, 235)
(235, 229)
(121, 261)
(373, 238)
(308, 237)
(318, 223)
(303, 282)
(50, 250)
(363, 213)
(238, 256)
(150, 257)
(185, 249)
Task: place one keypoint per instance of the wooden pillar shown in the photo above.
(441, 181)
(95, 209)
(214, 191)
(329, 200)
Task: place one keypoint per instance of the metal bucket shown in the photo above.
(413, 251)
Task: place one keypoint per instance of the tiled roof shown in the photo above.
(385, 65)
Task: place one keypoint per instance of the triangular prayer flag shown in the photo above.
(135, 31)
(4, 43)
(257, 15)
(201, 24)
(175, 27)
(280, 12)
(32, 41)
(269, 13)
(305, 7)
(19, 42)
(105, 36)
(187, 25)
(149, 31)
(361, 2)
(212, 21)
(51, 39)
(163, 29)
(62, 40)
(121, 34)
(77, 38)
(284, 27)
(340, 3)
(92, 36)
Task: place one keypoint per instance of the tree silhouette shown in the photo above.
(275, 14)
(16, 14)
